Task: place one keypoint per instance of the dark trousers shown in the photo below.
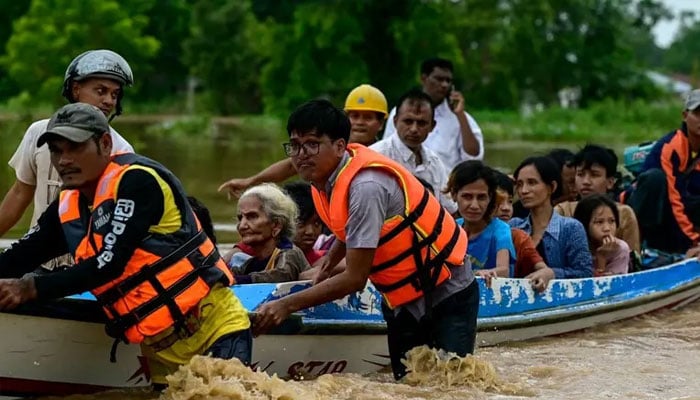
(234, 345)
(657, 224)
(451, 328)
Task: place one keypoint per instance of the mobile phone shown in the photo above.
(453, 103)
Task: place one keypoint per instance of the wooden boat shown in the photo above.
(60, 347)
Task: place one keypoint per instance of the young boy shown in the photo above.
(595, 173)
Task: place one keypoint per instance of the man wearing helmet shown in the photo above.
(96, 77)
(366, 108)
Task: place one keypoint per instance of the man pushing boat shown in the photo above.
(138, 248)
(391, 230)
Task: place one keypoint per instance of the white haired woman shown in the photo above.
(267, 219)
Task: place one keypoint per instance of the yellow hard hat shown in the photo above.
(366, 98)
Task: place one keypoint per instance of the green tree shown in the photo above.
(166, 73)
(223, 52)
(11, 10)
(683, 55)
(53, 32)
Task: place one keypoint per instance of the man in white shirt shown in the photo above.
(96, 77)
(456, 136)
(413, 122)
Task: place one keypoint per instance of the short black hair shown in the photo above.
(319, 117)
(563, 157)
(300, 192)
(595, 154)
(548, 169)
(414, 96)
(471, 171)
(202, 213)
(427, 66)
(586, 206)
(504, 182)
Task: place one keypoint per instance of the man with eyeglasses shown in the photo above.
(390, 230)
(456, 136)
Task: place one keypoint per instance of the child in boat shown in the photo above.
(473, 187)
(309, 224)
(528, 262)
(599, 215)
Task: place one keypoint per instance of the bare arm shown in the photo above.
(14, 204)
(276, 173)
(469, 142)
(354, 278)
(503, 263)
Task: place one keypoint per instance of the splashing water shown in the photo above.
(209, 378)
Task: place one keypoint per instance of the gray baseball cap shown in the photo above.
(692, 101)
(76, 122)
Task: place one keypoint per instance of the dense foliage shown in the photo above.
(246, 56)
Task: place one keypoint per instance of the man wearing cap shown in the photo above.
(666, 196)
(95, 77)
(138, 248)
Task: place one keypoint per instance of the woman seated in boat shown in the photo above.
(266, 223)
(600, 216)
(528, 262)
(561, 241)
(472, 185)
(309, 225)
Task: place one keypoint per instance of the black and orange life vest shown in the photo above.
(168, 274)
(416, 249)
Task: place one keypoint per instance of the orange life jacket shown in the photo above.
(167, 275)
(416, 249)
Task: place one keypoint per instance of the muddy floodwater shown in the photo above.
(655, 356)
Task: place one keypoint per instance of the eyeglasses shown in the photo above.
(292, 149)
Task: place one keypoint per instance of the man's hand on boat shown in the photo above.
(14, 292)
(540, 278)
(270, 315)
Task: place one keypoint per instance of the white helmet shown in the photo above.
(97, 64)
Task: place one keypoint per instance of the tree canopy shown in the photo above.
(264, 55)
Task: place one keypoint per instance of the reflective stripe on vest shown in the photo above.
(166, 277)
(416, 249)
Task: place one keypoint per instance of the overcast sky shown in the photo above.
(665, 31)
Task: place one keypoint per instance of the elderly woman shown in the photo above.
(267, 218)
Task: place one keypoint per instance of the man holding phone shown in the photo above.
(456, 136)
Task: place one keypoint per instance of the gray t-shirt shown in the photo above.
(374, 197)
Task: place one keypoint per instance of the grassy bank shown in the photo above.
(604, 122)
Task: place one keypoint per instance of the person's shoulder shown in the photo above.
(625, 211)
(623, 246)
(36, 129)
(500, 225)
(517, 222)
(570, 224)
(566, 208)
(381, 146)
(375, 176)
